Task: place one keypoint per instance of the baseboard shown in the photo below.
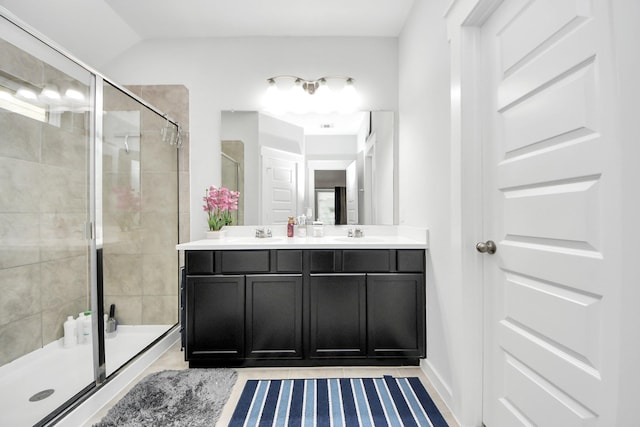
(436, 380)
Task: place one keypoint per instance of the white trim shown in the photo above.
(436, 380)
(440, 385)
(464, 18)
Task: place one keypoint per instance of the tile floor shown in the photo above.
(174, 359)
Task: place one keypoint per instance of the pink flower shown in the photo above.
(219, 203)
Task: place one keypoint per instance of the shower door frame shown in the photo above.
(93, 228)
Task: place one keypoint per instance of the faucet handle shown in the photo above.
(268, 232)
(350, 232)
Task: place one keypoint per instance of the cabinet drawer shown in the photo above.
(410, 260)
(365, 261)
(289, 261)
(245, 261)
(200, 262)
(322, 261)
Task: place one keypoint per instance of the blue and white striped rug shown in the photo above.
(339, 402)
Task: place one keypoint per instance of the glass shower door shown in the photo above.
(139, 226)
(46, 120)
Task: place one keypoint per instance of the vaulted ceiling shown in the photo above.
(96, 31)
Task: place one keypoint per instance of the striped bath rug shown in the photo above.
(339, 402)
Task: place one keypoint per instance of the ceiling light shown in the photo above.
(303, 96)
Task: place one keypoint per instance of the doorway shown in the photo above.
(330, 196)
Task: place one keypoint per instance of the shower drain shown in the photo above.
(41, 395)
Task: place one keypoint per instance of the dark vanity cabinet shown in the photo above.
(274, 316)
(243, 305)
(367, 303)
(277, 307)
(215, 317)
(338, 316)
(394, 332)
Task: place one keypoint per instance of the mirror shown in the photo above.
(337, 168)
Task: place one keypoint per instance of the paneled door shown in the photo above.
(551, 191)
(279, 187)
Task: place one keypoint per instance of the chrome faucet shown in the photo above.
(355, 232)
(261, 233)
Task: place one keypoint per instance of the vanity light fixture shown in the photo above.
(26, 93)
(75, 93)
(50, 92)
(329, 94)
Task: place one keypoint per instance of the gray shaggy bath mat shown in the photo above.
(189, 397)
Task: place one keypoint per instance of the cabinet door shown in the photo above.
(274, 316)
(395, 315)
(337, 315)
(215, 317)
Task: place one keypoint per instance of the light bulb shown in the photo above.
(26, 93)
(323, 100)
(4, 95)
(272, 100)
(299, 102)
(349, 99)
(75, 94)
(51, 92)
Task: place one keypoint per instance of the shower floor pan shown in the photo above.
(26, 383)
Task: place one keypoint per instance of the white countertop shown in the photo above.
(376, 237)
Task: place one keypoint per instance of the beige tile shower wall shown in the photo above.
(149, 292)
(43, 209)
(174, 101)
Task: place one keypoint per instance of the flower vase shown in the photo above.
(218, 234)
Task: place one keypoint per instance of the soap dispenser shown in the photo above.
(290, 225)
(70, 334)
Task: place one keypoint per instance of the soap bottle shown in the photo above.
(79, 325)
(86, 327)
(290, 225)
(302, 226)
(70, 334)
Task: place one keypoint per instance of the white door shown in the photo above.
(550, 195)
(280, 189)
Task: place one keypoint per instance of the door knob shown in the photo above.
(488, 247)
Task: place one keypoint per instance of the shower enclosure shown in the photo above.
(89, 178)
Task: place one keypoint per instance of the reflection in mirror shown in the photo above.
(330, 196)
(285, 161)
(121, 163)
(232, 160)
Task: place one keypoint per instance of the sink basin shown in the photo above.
(359, 239)
(266, 240)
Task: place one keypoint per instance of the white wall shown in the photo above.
(330, 147)
(230, 74)
(425, 182)
(280, 135)
(383, 126)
